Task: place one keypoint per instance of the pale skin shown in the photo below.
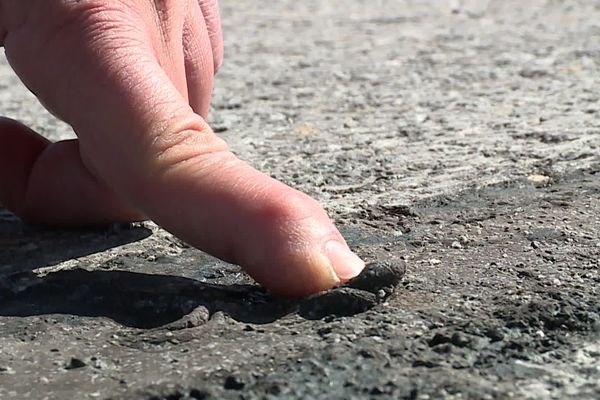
(134, 79)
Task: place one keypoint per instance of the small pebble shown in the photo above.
(540, 334)
(75, 363)
(536, 178)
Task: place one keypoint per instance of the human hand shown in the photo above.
(134, 80)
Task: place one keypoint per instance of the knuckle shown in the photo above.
(180, 144)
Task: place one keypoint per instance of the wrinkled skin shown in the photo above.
(134, 80)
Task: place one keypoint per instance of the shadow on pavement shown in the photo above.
(27, 247)
(151, 300)
(135, 299)
(148, 300)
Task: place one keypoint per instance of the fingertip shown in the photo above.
(301, 275)
(344, 262)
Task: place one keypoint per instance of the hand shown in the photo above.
(134, 80)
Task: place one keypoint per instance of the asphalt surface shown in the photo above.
(455, 143)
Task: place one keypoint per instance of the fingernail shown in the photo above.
(345, 263)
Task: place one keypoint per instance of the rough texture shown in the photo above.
(458, 139)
